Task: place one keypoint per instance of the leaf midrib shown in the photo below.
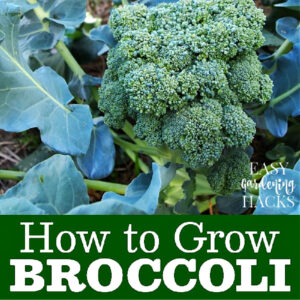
(15, 62)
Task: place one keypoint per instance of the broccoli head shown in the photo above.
(183, 71)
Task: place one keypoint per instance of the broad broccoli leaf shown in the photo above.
(234, 204)
(185, 205)
(292, 4)
(19, 206)
(81, 86)
(297, 166)
(21, 6)
(48, 59)
(288, 28)
(38, 99)
(274, 201)
(40, 154)
(42, 27)
(285, 78)
(35, 36)
(103, 34)
(282, 151)
(141, 196)
(54, 186)
(99, 160)
(271, 39)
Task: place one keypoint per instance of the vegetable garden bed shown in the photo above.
(173, 107)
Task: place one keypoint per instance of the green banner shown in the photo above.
(150, 257)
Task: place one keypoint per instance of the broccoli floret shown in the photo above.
(226, 175)
(182, 71)
(212, 80)
(238, 128)
(247, 81)
(113, 103)
(152, 90)
(127, 18)
(139, 43)
(196, 130)
(149, 128)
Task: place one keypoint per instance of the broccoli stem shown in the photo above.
(258, 111)
(69, 59)
(11, 175)
(285, 95)
(73, 65)
(138, 148)
(128, 129)
(138, 162)
(96, 185)
(285, 48)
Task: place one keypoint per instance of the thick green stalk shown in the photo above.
(73, 65)
(96, 185)
(104, 186)
(285, 48)
(258, 111)
(137, 148)
(11, 175)
(137, 160)
(69, 59)
(128, 129)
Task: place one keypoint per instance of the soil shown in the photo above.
(14, 147)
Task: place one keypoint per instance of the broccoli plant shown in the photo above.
(181, 98)
(182, 73)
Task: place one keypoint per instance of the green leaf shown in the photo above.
(45, 58)
(291, 4)
(103, 34)
(282, 151)
(288, 28)
(235, 204)
(19, 206)
(35, 35)
(99, 161)
(38, 99)
(141, 196)
(54, 186)
(272, 39)
(202, 186)
(185, 206)
(21, 6)
(44, 22)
